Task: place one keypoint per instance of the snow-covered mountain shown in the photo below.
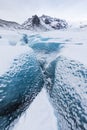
(9, 24)
(44, 23)
(81, 25)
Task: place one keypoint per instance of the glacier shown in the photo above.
(19, 85)
(54, 61)
(68, 93)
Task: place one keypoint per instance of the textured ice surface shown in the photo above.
(65, 79)
(19, 85)
(68, 93)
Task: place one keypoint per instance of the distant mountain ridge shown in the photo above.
(9, 24)
(44, 23)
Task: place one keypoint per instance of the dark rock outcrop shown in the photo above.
(35, 20)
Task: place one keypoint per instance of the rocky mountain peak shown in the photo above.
(35, 20)
(44, 23)
(36, 23)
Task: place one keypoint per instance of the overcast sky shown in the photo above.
(20, 10)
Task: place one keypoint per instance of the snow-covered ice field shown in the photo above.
(57, 57)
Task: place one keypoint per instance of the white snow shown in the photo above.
(8, 54)
(75, 43)
(76, 52)
(39, 116)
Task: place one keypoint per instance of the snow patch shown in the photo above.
(39, 116)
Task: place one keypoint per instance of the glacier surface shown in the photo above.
(54, 61)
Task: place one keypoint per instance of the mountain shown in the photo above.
(77, 25)
(9, 24)
(83, 24)
(44, 23)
